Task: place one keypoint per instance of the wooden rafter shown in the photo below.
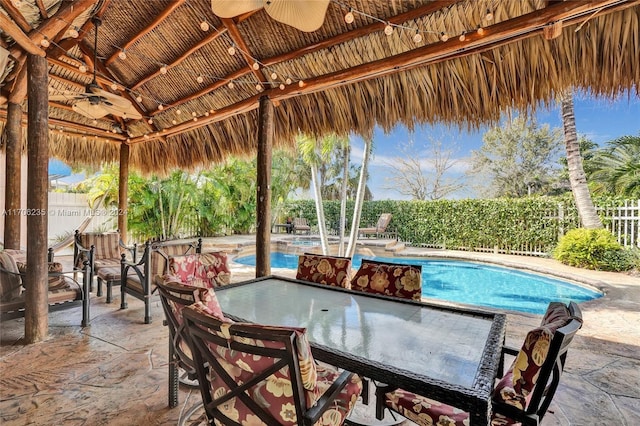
(23, 40)
(520, 28)
(15, 14)
(65, 45)
(244, 49)
(86, 130)
(43, 10)
(332, 41)
(161, 17)
(211, 37)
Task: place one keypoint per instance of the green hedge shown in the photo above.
(530, 225)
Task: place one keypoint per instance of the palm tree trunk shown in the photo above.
(577, 177)
(343, 198)
(357, 209)
(322, 228)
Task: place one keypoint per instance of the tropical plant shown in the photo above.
(617, 168)
(577, 176)
(592, 249)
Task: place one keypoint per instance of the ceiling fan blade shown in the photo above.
(88, 109)
(110, 97)
(124, 112)
(230, 9)
(305, 15)
(68, 96)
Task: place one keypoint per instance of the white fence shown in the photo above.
(67, 211)
(623, 222)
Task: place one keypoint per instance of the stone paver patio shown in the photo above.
(115, 371)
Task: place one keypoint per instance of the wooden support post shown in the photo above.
(263, 213)
(36, 324)
(12, 198)
(123, 190)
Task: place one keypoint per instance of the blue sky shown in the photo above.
(599, 120)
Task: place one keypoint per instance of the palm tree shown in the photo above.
(357, 209)
(577, 177)
(617, 168)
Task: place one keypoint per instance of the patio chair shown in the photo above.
(63, 291)
(389, 279)
(300, 225)
(330, 270)
(257, 374)
(107, 255)
(139, 279)
(523, 394)
(380, 229)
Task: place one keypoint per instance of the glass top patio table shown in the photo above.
(447, 354)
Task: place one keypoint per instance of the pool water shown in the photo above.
(473, 283)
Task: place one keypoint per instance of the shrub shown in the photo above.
(593, 249)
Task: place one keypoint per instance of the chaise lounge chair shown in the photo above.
(380, 229)
(301, 225)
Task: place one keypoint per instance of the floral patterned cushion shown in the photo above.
(202, 270)
(275, 393)
(390, 279)
(424, 411)
(219, 263)
(334, 271)
(516, 385)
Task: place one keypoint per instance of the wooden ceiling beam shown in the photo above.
(235, 35)
(332, 41)
(87, 130)
(16, 15)
(519, 28)
(23, 40)
(161, 17)
(43, 10)
(65, 45)
(211, 37)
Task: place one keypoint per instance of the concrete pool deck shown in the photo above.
(115, 371)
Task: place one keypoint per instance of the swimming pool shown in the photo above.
(473, 283)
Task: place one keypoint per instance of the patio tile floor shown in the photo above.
(115, 371)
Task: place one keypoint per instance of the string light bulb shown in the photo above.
(462, 37)
(163, 69)
(199, 79)
(231, 50)
(417, 38)
(114, 86)
(73, 32)
(204, 26)
(348, 17)
(150, 121)
(444, 36)
(274, 76)
(195, 118)
(259, 87)
(231, 85)
(160, 107)
(194, 114)
(388, 30)
(82, 68)
(178, 111)
(281, 86)
(174, 122)
(489, 15)
(44, 42)
(122, 55)
(480, 31)
(301, 83)
(139, 98)
(255, 66)
(287, 81)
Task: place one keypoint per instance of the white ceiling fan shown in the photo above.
(95, 102)
(305, 15)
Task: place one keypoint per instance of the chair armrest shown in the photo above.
(327, 398)
(132, 249)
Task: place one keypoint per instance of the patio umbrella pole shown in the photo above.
(263, 207)
(36, 324)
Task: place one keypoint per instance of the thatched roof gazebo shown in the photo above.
(185, 83)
